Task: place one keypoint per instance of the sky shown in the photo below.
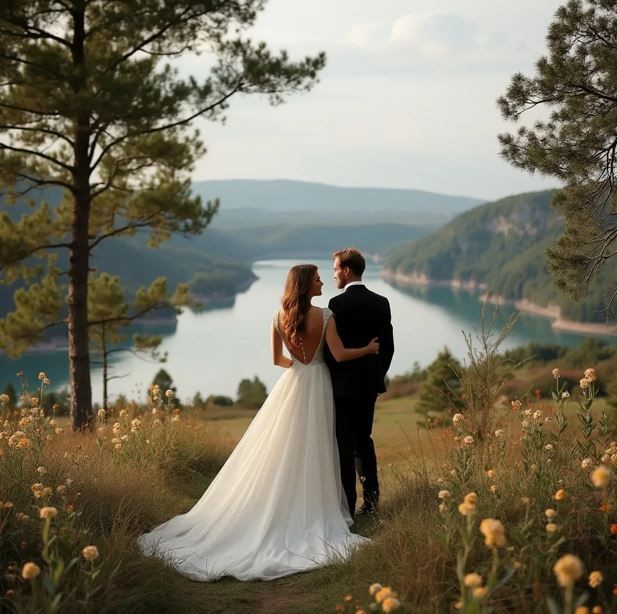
(407, 99)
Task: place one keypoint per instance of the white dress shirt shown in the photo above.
(353, 283)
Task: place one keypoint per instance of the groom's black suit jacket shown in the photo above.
(360, 316)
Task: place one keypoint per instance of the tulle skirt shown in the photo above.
(277, 506)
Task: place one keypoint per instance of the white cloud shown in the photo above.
(365, 35)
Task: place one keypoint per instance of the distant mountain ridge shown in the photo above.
(278, 195)
(501, 247)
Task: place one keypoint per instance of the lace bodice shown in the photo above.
(318, 357)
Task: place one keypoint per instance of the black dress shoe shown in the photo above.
(366, 510)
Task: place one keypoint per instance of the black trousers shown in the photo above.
(354, 424)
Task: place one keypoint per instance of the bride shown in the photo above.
(277, 506)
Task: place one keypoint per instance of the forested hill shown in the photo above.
(300, 196)
(503, 245)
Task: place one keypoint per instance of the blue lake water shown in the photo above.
(212, 351)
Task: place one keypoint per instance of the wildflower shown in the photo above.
(4, 398)
(42, 470)
(551, 528)
(175, 418)
(597, 609)
(42, 375)
(479, 592)
(46, 381)
(500, 433)
(118, 446)
(156, 422)
(101, 413)
(468, 506)
(46, 491)
(456, 418)
(581, 610)
(493, 488)
(590, 374)
(30, 571)
(494, 533)
(490, 474)
(8, 505)
(90, 553)
(472, 580)
(374, 588)
(586, 463)
(601, 476)
(568, 569)
(136, 424)
(383, 593)
(58, 430)
(348, 597)
(525, 500)
(48, 512)
(37, 490)
(556, 373)
(124, 438)
(61, 489)
(560, 495)
(565, 395)
(444, 494)
(595, 579)
(550, 513)
(525, 423)
(390, 604)
(468, 440)
(443, 508)
(548, 447)
(124, 413)
(170, 394)
(585, 383)
(516, 405)
(52, 422)
(605, 507)
(537, 414)
(613, 528)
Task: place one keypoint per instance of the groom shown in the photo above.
(360, 315)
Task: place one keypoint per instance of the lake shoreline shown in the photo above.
(551, 312)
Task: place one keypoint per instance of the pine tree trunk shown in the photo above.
(105, 377)
(79, 356)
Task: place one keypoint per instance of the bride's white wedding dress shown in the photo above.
(277, 506)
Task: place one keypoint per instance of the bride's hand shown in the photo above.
(373, 346)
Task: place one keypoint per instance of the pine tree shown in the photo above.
(90, 113)
(251, 393)
(577, 82)
(440, 392)
(110, 315)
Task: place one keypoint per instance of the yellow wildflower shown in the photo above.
(556, 373)
(494, 533)
(601, 476)
(595, 579)
(90, 553)
(48, 512)
(560, 495)
(473, 580)
(30, 571)
(383, 594)
(390, 604)
(479, 592)
(568, 569)
(374, 588)
(590, 374)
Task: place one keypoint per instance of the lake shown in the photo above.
(212, 351)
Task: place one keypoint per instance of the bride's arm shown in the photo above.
(278, 358)
(341, 353)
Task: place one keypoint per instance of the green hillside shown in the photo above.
(502, 244)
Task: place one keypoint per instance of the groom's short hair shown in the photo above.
(352, 258)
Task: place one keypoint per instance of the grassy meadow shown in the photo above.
(519, 519)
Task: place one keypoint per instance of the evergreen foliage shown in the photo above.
(89, 106)
(251, 393)
(577, 83)
(440, 391)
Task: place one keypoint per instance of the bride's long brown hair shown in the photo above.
(296, 302)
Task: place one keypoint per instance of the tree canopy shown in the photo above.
(91, 105)
(576, 83)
